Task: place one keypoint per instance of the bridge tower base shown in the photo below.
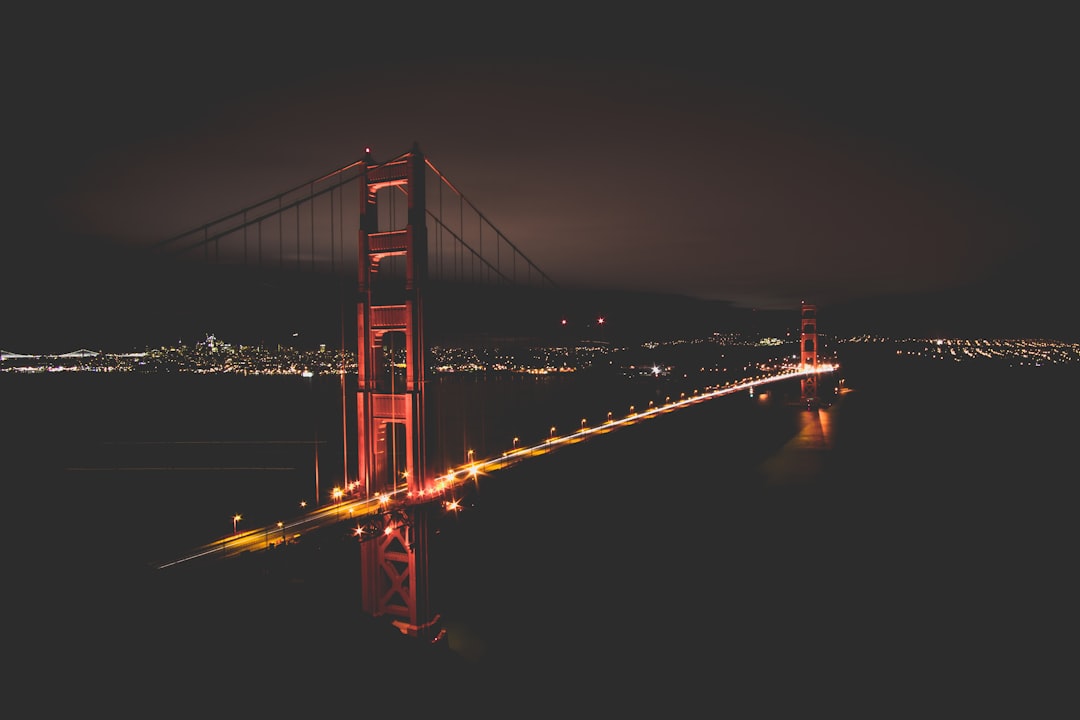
(390, 404)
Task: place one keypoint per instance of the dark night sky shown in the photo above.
(846, 159)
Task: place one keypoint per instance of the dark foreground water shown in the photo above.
(907, 550)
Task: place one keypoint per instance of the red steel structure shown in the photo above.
(808, 344)
(390, 404)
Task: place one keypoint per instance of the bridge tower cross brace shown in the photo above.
(390, 404)
(808, 344)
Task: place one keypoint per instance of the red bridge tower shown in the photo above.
(808, 344)
(390, 404)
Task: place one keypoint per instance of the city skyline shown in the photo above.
(217, 355)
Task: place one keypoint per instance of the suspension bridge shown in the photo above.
(380, 238)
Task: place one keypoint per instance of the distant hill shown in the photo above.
(538, 314)
(976, 312)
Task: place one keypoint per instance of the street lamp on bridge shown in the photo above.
(235, 519)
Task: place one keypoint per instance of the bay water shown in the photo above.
(915, 531)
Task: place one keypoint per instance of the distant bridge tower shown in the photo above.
(390, 404)
(808, 344)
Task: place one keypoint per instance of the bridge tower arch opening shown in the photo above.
(808, 352)
(390, 401)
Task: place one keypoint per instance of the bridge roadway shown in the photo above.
(349, 509)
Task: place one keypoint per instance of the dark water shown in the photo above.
(912, 540)
(921, 553)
